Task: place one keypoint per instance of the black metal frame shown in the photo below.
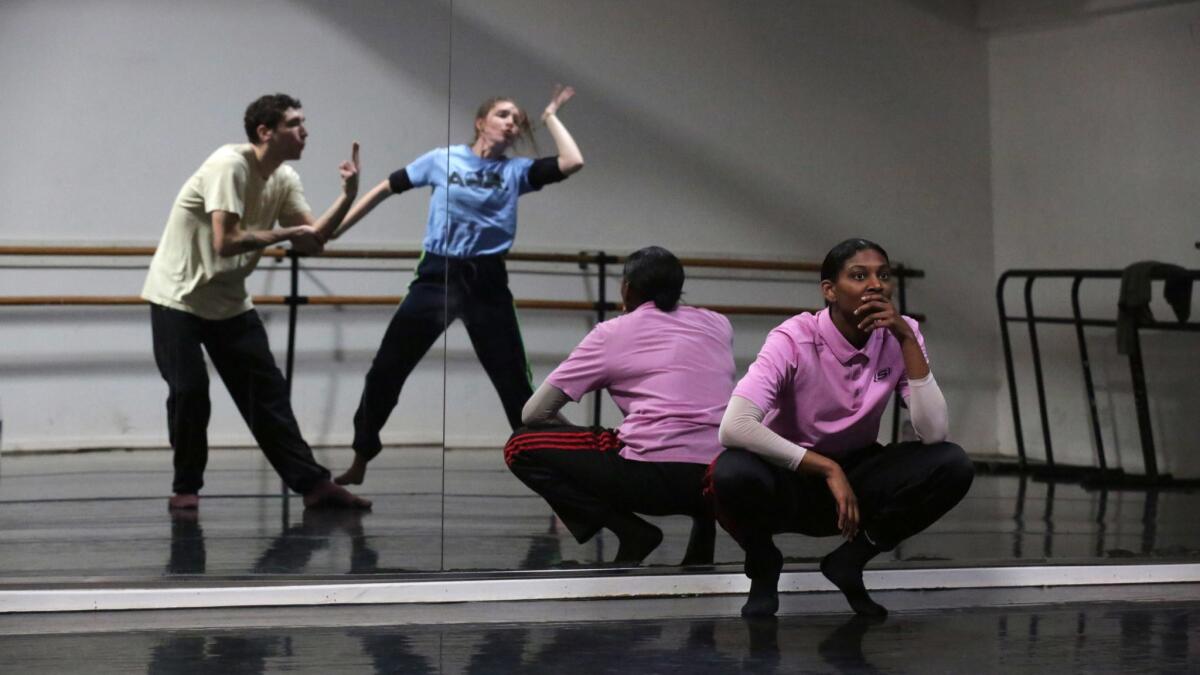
(1101, 474)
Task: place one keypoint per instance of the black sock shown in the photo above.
(764, 597)
(844, 567)
(637, 537)
(701, 542)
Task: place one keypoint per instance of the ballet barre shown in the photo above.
(595, 262)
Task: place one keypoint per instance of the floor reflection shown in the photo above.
(95, 515)
(227, 654)
(292, 551)
(1090, 637)
(188, 555)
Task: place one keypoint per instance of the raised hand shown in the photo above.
(349, 172)
(561, 95)
(877, 311)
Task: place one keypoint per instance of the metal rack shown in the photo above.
(1100, 474)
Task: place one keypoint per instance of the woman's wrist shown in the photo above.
(831, 472)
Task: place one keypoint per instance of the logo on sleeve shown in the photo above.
(882, 375)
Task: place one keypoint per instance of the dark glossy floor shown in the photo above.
(1160, 636)
(103, 515)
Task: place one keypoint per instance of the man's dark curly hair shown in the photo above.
(268, 110)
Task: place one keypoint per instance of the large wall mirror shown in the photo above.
(745, 137)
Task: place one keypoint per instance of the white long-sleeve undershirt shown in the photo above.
(543, 406)
(742, 426)
(927, 408)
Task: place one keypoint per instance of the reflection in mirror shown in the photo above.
(674, 157)
(768, 135)
(89, 379)
(746, 132)
(74, 516)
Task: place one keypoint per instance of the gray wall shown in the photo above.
(1094, 151)
(765, 129)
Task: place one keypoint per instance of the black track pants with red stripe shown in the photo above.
(579, 471)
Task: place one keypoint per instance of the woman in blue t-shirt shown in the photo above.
(472, 223)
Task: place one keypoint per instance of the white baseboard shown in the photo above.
(576, 586)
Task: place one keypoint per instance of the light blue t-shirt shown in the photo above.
(473, 209)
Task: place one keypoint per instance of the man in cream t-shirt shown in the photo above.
(223, 217)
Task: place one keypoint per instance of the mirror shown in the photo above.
(737, 135)
(84, 377)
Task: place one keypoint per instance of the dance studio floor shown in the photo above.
(99, 520)
(102, 515)
(1131, 630)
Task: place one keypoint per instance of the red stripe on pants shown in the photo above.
(585, 440)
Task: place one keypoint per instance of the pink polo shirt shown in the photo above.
(817, 390)
(670, 373)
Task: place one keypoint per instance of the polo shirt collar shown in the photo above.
(841, 347)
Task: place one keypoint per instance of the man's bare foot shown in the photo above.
(183, 501)
(355, 474)
(328, 494)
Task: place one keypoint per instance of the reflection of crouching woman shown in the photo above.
(669, 368)
(804, 422)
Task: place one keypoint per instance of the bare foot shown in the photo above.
(355, 474)
(328, 494)
(183, 501)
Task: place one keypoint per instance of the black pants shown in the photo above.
(583, 477)
(901, 489)
(472, 289)
(239, 352)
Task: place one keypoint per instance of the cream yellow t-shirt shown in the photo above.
(186, 272)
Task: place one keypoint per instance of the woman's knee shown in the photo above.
(738, 472)
(955, 464)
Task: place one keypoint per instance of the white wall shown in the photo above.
(766, 129)
(1094, 151)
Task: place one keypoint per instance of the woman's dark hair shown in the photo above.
(481, 113)
(838, 255)
(268, 110)
(654, 273)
